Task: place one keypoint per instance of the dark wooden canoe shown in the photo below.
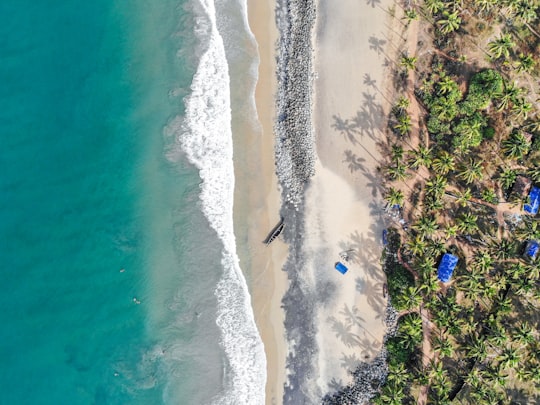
(274, 233)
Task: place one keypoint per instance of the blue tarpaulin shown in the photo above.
(446, 268)
(341, 268)
(534, 201)
(385, 237)
(532, 249)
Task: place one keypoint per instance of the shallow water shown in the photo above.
(109, 266)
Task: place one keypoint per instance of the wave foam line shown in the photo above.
(205, 136)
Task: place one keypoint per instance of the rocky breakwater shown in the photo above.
(294, 146)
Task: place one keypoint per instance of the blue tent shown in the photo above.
(532, 249)
(385, 237)
(341, 268)
(446, 268)
(534, 201)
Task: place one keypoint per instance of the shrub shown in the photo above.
(488, 133)
(483, 87)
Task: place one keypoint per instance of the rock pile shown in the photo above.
(294, 147)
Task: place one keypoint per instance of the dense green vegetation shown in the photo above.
(476, 338)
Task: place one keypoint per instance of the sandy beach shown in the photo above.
(341, 216)
(344, 201)
(268, 282)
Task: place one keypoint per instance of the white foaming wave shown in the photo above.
(205, 136)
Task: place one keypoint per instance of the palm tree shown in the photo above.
(525, 63)
(509, 358)
(392, 393)
(524, 374)
(420, 157)
(410, 331)
(396, 153)
(425, 265)
(397, 373)
(394, 196)
(476, 349)
(471, 172)
(410, 15)
(404, 125)
(426, 225)
(525, 11)
(408, 62)
(509, 94)
(437, 370)
(434, 6)
(451, 231)
(529, 229)
(444, 347)
(430, 284)
(523, 287)
(416, 245)
(402, 104)
(436, 247)
(502, 249)
(474, 378)
(497, 378)
(412, 326)
(483, 261)
(498, 337)
(533, 270)
(471, 283)
(504, 306)
(521, 108)
(412, 297)
(516, 146)
(397, 172)
(485, 5)
(463, 197)
(435, 186)
(534, 173)
(433, 203)
(446, 84)
(524, 333)
(534, 125)
(501, 46)
(450, 22)
(467, 223)
(507, 178)
(443, 163)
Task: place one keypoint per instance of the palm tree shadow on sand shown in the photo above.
(367, 121)
(343, 331)
(376, 44)
(372, 290)
(363, 251)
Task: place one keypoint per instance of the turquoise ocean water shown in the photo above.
(119, 281)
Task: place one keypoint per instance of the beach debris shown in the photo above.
(404, 224)
(136, 301)
(274, 233)
(344, 255)
(341, 267)
(385, 237)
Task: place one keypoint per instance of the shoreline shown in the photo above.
(268, 282)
